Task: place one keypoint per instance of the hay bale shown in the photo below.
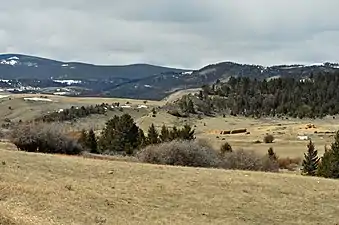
(238, 131)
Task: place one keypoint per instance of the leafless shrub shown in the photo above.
(43, 138)
(180, 153)
(248, 160)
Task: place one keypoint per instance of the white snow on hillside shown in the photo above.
(38, 99)
(187, 73)
(64, 65)
(11, 62)
(69, 82)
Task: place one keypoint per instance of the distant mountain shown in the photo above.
(159, 86)
(16, 66)
(22, 73)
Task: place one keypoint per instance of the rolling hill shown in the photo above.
(22, 73)
(52, 189)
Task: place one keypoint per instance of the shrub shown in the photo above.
(248, 160)
(44, 139)
(180, 153)
(268, 138)
(289, 163)
(226, 147)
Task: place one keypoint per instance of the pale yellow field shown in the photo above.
(286, 132)
(38, 189)
(15, 107)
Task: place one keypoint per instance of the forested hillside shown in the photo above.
(314, 96)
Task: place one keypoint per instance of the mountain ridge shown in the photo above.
(138, 80)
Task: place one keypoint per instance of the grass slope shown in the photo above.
(47, 189)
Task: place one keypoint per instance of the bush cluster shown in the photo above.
(198, 154)
(45, 139)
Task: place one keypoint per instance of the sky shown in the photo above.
(176, 33)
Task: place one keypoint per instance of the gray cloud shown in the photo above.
(185, 33)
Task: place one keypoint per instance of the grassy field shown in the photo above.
(286, 132)
(46, 189)
(14, 107)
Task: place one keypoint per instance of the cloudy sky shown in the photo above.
(180, 33)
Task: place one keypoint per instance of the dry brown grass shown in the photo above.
(45, 189)
(285, 132)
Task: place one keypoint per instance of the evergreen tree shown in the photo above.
(174, 133)
(325, 165)
(186, 133)
(91, 142)
(190, 106)
(120, 135)
(271, 154)
(164, 134)
(152, 135)
(141, 139)
(329, 164)
(311, 160)
(335, 155)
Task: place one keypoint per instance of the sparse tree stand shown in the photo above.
(152, 135)
(92, 142)
(311, 160)
(329, 165)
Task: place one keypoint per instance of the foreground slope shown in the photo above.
(46, 189)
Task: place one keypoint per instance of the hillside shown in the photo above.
(45, 189)
(23, 73)
(16, 66)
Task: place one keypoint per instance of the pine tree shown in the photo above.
(164, 134)
(190, 106)
(311, 160)
(91, 142)
(141, 139)
(186, 133)
(335, 155)
(271, 154)
(324, 167)
(152, 135)
(120, 135)
(174, 134)
(329, 164)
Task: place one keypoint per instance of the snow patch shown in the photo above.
(147, 85)
(64, 65)
(68, 82)
(187, 73)
(142, 107)
(38, 99)
(4, 96)
(11, 62)
(14, 58)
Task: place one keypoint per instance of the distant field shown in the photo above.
(45, 189)
(14, 106)
(286, 132)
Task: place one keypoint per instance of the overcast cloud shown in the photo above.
(180, 33)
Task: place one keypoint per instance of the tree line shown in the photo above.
(74, 113)
(121, 135)
(314, 96)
